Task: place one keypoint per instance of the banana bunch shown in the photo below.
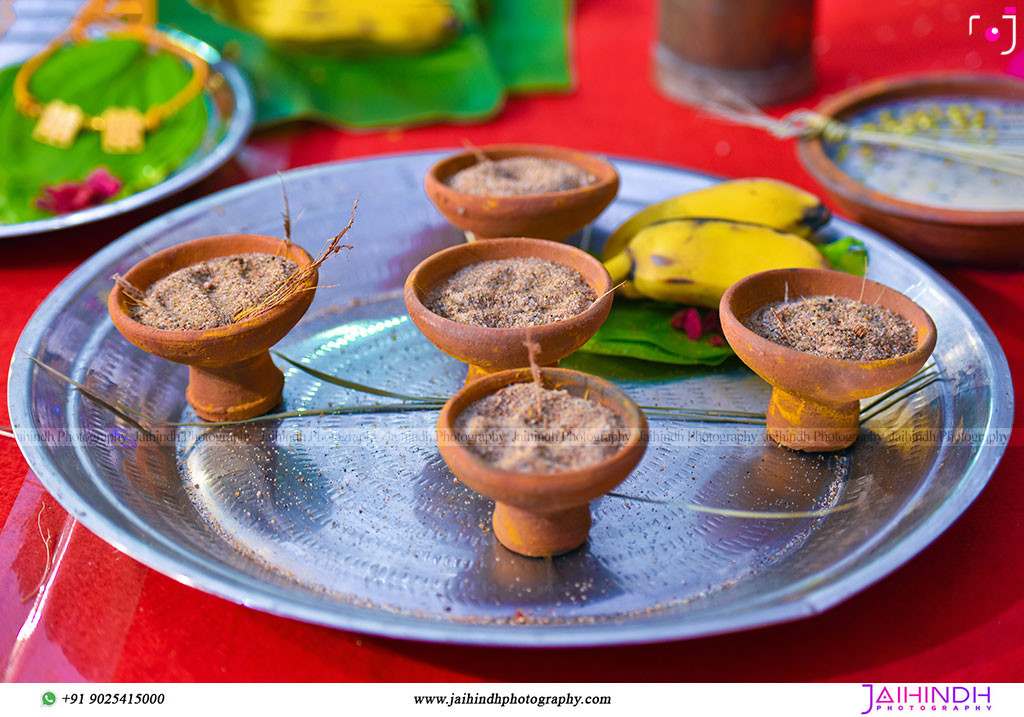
(694, 261)
(691, 248)
(406, 26)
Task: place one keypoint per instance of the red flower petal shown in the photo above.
(99, 186)
(691, 325)
(676, 322)
(103, 184)
(60, 198)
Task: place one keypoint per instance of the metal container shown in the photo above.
(354, 521)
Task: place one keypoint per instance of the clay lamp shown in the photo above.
(231, 374)
(815, 403)
(551, 215)
(488, 350)
(543, 514)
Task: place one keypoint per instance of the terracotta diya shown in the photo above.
(231, 374)
(815, 403)
(551, 215)
(543, 514)
(488, 350)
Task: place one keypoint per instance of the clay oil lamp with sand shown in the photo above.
(542, 509)
(521, 190)
(502, 345)
(815, 403)
(231, 374)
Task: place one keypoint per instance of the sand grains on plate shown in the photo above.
(835, 327)
(517, 176)
(506, 430)
(510, 293)
(211, 293)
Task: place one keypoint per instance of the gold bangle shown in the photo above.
(122, 128)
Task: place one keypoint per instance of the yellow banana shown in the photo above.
(694, 261)
(758, 201)
(390, 25)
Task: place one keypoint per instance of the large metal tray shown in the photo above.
(354, 521)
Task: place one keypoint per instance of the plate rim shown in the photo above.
(250, 592)
(238, 129)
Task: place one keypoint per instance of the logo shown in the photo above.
(49, 698)
(928, 698)
(994, 34)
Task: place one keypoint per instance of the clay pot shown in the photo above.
(231, 375)
(488, 350)
(815, 404)
(543, 514)
(760, 49)
(978, 238)
(553, 215)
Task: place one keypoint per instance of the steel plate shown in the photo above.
(354, 521)
(229, 105)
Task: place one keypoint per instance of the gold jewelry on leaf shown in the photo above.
(58, 124)
(123, 129)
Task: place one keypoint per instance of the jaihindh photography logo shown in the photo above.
(927, 698)
(1004, 32)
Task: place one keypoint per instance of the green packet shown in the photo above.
(642, 329)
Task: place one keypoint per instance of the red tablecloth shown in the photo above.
(956, 612)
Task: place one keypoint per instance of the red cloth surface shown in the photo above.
(956, 612)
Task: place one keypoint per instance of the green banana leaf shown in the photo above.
(94, 76)
(515, 46)
(849, 255)
(641, 329)
(528, 40)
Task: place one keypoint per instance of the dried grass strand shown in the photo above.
(286, 215)
(734, 107)
(129, 289)
(481, 157)
(734, 513)
(532, 351)
(49, 555)
(352, 385)
(297, 280)
(782, 326)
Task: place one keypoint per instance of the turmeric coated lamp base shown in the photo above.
(806, 425)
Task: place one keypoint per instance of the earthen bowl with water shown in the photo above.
(231, 374)
(992, 238)
(488, 350)
(551, 215)
(543, 514)
(815, 403)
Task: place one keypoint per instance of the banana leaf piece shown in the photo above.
(642, 329)
(528, 40)
(849, 255)
(515, 46)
